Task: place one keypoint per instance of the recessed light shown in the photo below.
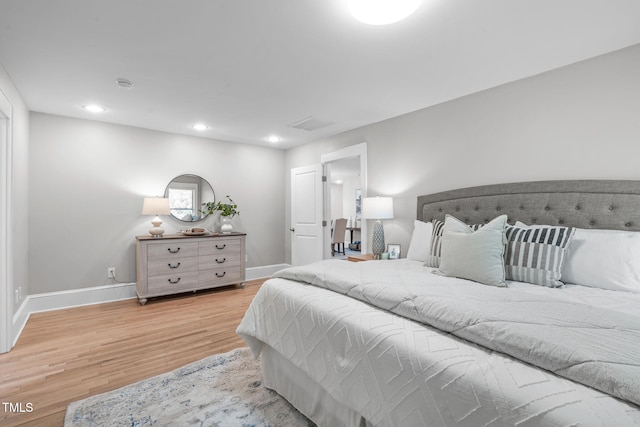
(382, 12)
(94, 108)
(200, 126)
(274, 139)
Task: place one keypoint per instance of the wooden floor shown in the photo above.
(67, 355)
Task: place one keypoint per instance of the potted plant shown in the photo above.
(227, 211)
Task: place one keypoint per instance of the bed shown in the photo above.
(441, 339)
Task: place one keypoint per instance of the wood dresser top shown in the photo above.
(182, 236)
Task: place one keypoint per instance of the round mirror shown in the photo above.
(186, 194)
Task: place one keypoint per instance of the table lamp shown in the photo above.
(156, 206)
(377, 208)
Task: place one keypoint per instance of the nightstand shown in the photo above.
(359, 258)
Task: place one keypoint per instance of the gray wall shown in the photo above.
(88, 180)
(577, 122)
(20, 184)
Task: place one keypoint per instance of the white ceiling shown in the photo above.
(251, 68)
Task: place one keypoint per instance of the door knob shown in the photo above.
(292, 229)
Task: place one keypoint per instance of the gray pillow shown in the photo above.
(535, 254)
(474, 255)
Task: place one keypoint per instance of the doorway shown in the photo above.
(344, 200)
(311, 205)
(345, 186)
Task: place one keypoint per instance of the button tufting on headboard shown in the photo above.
(585, 204)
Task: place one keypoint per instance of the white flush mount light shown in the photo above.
(382, 12)
(94, 108)
(200, 126)
(273, 139)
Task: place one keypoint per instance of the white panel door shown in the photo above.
(306, 214)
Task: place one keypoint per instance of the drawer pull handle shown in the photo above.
(220, 262)
(172, 251)
(221, 275)
(173, 282)
(174, 266)
(223, 246)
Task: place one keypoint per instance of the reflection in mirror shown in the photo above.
(186, 193)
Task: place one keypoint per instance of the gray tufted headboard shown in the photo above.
(602, 204)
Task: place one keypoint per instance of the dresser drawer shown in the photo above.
(220, 246)
(219, 261)
(156, 267)
(172, 283)
(219, 276)
(173, 250)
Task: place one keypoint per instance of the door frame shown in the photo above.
(6, 233)
(360, 151)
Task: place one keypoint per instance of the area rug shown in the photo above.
(221, 390)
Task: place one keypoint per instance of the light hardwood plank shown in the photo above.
(67, 355)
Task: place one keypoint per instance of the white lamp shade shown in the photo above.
(155, 206)
(377, 208)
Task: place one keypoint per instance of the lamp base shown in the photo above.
(156, 231)
(377, 239)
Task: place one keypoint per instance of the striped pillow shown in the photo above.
(435, 250)
(535, 255)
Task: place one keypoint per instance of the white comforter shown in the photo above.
(396, 371)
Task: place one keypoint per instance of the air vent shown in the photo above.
(124, 83)
(310, 124)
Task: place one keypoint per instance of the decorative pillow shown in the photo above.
(606, 259)
(536, 254)
(433, 258)
(474, 255)
(420, 241)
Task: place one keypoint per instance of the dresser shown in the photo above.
(175, 263)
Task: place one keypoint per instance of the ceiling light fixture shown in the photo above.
(274, 139)
(200, 126)
(382, 12)
(94, 108)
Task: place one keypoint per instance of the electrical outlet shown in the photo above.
(111, 273)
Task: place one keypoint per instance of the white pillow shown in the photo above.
(420, 241)
(606, 259)
(474, 255)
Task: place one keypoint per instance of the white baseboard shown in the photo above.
(20, 318)
(264, 271)
(97, 295)
(79, 297)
